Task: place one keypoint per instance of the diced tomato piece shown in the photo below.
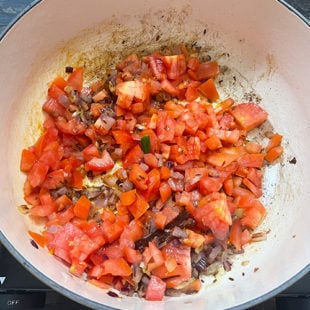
(139, 207)
(53, 107)
(191, 93)
(274, 141)
(60, 82)
(208, 89)
(131, 63)
(235, 234)
(75, 79)
(131, 91)
(216, 216)
(54, 179)
(213, 142)
(104, 163)
(209, 185)
(157, 66)
(205, 71)
(138, 177)
(155, 290)
(71, 127)
(251, 160)
(165, 127)
(132, 256)
(82, 207)
(90, 151)
(117, 267)
(28, 158)
(38, 238)
(151, 160)
(252, 147)
(133, 156)
(249, 115)
(180, 271)
(188, 149)
(112, 231)
(168, 87)
(253, 212)
(128, 198)
(124, 139)
(37, 174)
(164, 173)
(175, 65)
(193, 240)
(165, 191)
(274, 153)
(193, 63)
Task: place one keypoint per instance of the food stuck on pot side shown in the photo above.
(147, 179)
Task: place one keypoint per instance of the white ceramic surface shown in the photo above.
(268, 53)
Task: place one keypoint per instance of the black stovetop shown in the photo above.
(20, 290)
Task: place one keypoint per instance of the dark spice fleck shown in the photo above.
(69, 69)
(231, 279)
(112, 294)
(256, 269)
(293, 161)
(34, 244)
(243, 274)
(294, 236)
(205, 31)
(157, 37)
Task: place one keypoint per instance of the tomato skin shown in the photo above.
(133, 156)
(27, 160)
(102, 164)
(249, 115)
(157, 66)
(82, 207)
(75, 79)
(124, 139)
(72, 127)
(175, 65)
(208, 88)
(138, 177)
(155, 290)
(206, 70)
(53, 107)
(37, 174)
(165, 127)
(216, 216)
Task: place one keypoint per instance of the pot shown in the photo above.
(265, 50)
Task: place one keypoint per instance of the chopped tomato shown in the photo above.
(175, 65)
(28, 158)
(75, 79)
(206, 70)
(136, 175)
(155, 289)
(208, 89)
(104, 163)
(249, 115)
(82, 207)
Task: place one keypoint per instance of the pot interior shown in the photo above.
(252, 39)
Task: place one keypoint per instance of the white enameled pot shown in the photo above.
(264, 46)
